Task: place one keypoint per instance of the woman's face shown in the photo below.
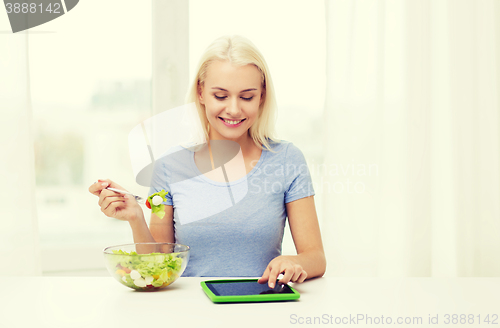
(232, 96)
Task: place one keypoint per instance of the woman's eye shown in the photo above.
(247, 99)
(220, 98)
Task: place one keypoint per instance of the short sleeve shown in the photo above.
(160, 179)
(298, 182)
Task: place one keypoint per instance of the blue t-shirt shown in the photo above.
(233, 229)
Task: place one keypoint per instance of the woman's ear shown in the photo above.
(262, 96)
(200, 94)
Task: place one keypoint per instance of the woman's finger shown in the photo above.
(110, 199)
(296, 274)
(102, 196)
(97, 187)
(302, 277)
(111, 209)
(108, 193)
(111, 184)
(273, 275)
(265, 276)
(287, 275)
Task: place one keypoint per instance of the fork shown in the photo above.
(139, 199)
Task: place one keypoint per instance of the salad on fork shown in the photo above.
(154, 202)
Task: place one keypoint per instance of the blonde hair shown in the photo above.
(240, 51)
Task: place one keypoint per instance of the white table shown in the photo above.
(102, 302)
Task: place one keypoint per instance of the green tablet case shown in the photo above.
(246, 298)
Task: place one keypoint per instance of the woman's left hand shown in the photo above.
(291, 270)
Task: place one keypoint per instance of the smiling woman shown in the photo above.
(240, 235)
(233, 77)
(229, 111)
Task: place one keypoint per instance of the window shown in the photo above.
(91, 84)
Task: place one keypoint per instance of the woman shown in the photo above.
(233, 225)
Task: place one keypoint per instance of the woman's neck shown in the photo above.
(246, 142)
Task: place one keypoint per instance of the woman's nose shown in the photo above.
(233, 108)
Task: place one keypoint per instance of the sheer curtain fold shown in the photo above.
(413, 91)
(19, 240)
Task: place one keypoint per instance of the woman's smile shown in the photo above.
(232, 123)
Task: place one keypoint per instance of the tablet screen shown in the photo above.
(246, 288)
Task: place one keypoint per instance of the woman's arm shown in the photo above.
(140, 231)
(162, 230)
(310, 260)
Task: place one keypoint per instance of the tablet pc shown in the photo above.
(247, 290)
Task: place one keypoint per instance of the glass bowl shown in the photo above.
(146, 266)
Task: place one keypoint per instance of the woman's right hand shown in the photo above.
(116, 205)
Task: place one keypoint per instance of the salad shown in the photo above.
(154, 202)
(146, 271)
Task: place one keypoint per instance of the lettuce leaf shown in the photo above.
(159, 210)
(163, 267)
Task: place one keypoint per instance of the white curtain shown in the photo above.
(412, 125)
(19, 240)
